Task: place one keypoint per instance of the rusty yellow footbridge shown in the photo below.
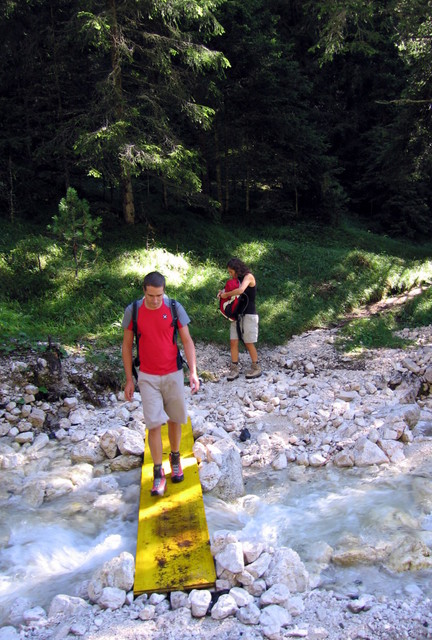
(173, 546)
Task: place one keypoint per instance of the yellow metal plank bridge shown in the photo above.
(173, 547)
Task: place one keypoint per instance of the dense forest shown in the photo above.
(264, 110)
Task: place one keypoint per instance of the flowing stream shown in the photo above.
(55, 547)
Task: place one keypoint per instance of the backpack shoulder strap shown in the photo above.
(173, 305)
(136, 360)
(180, 361)
(134, 317)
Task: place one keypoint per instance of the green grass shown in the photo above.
(370, 333)
(308, 277)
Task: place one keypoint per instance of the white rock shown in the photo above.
(130, 442)
(250, 614)
(79, 416)
(209, 474)
(37, 614)
(241, 596)
(179, 599)
(64, 605)
(393, 450)
(112, 598)
(317, 459)
(200, 451)
(125, 463)
(280, 462)
(118, 572)
(273, 618)
(108, 443)
(224, 607)
(252, 551)
(87, 451)
(287, 568)
(37, 417)
(259, 566)
(70, 403)
(231, 557)
(277, 594)
(23, 438)
(147, 612)
(295, 605)
(40, 442)
(15, 613)
(199, 601)
(367, 453)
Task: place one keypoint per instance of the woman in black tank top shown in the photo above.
(248, 323)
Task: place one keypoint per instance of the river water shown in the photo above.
(55, 547)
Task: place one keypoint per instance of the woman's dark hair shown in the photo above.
(239, 267)
(154, 279)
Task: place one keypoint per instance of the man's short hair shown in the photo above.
(154, 279)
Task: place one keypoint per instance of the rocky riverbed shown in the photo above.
(65, 430)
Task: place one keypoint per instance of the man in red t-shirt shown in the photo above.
(160, 381)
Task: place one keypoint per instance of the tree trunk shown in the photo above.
(218, 172)
(165, 195)
(128, 199)
(11, 192)
(227, 172)
(247, 199)
(59, 104)
(126, 180)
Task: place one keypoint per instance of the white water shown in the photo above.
(54, 548)
(300, 510)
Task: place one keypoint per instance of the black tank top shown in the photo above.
(251, 294)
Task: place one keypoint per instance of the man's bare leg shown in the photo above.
(174, 435)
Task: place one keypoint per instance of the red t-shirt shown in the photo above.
(157, 352)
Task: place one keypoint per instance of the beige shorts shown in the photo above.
(163, 398)
(249, 328)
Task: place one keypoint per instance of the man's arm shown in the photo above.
(189, 349)
(127, 345)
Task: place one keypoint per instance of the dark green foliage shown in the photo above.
(76, 228)
(265, 110)
(27, 269)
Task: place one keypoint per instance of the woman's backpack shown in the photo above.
(232, 308)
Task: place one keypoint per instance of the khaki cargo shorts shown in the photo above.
(163, 398)
(249, 328)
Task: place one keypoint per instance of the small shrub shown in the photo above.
(26, 270)
(359, 260)
(75, 226)
(375, 294)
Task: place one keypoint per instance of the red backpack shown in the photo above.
(232, 308)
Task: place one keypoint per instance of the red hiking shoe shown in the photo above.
(176, 468)
(159, 484)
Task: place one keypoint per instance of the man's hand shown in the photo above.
(129, 390)
(194, 383)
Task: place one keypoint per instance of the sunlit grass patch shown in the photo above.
(370, 333)
(418, 311)
(307, 277)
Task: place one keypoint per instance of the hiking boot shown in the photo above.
(233, 372)
(254, 371)
(176, 468)
(159, 484)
